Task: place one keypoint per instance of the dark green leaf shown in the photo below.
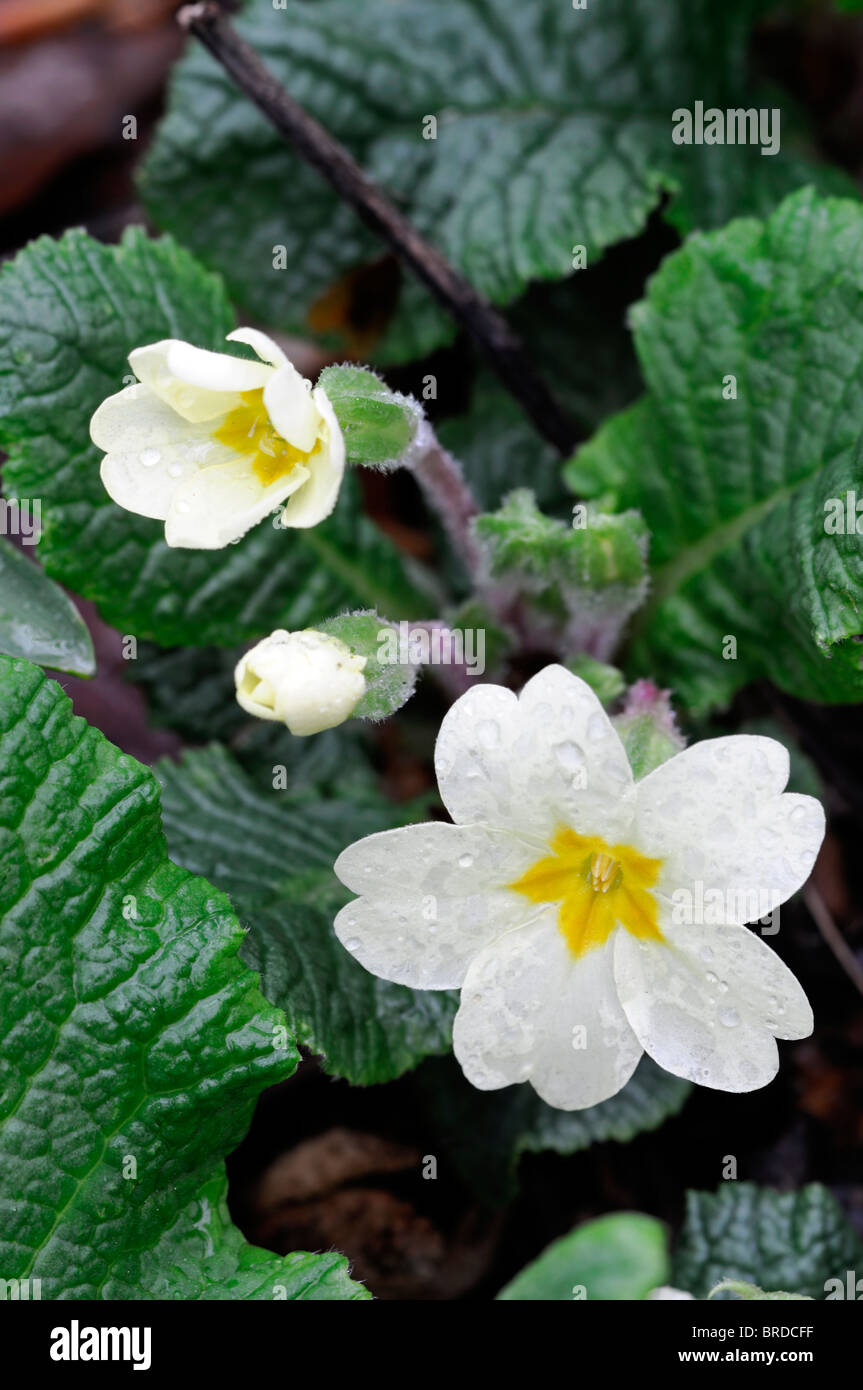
(134, 1041)
(273, 854)
(778, 1240)
(554, 131)
(38, 621)
(737, 491)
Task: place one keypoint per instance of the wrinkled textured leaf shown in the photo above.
(553, 131)
(70, 312)
(622, 1256)
(778, 1240)
(37, 620)
(134, 1040)
(736, 491)
(203, 1256)
(282, 884)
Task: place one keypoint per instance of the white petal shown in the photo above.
(715, 814)
(150, 450)
(289, 404)
(432, 898)
(219, 505)
(259, 342)
(708, 1005)
(309, 680)
(215, 371)
(546, 759)
(316, 500)
(528, 1005)
(199, 385)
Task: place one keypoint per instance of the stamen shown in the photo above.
(599, 887)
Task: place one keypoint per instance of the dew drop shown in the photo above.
(706, 953)
(175, 470)
(465, 861)
(182, 506)
(353, 943)
(711, 978)
(570, 756)
(597, 727)
(729, 1018)
(488, 733)
(149, 458)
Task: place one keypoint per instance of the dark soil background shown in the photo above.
(327, 1165)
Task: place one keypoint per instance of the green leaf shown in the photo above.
(736, 492)
(389, 680)
(554, 130)
(207, 1258)
(485, 1133)
(750, 1293)
(134, 1040)
(585, 578)
(606, 682)
(778, 1240)
(379, 425)
(282, 884)
(38, 621)
(622, 1256)
(70, 312)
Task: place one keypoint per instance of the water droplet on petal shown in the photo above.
(597, 727)
(729, 1018)
(175, 470)
(465, 861)
(353, 943)
(488, 733)
(149, 458)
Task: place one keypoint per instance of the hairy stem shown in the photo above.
(448, 495)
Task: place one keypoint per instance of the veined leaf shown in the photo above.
(512, 134)
(134, 1041)
(746, 446)
(778, 1240)
(273, 853)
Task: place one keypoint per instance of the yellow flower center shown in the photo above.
(598, 886)
(249, 429)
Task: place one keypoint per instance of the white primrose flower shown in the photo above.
(211, 444)
(550, 902)
(307, 680)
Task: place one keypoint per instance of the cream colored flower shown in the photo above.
(212, 444)
(554, 900)
(307, 680)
